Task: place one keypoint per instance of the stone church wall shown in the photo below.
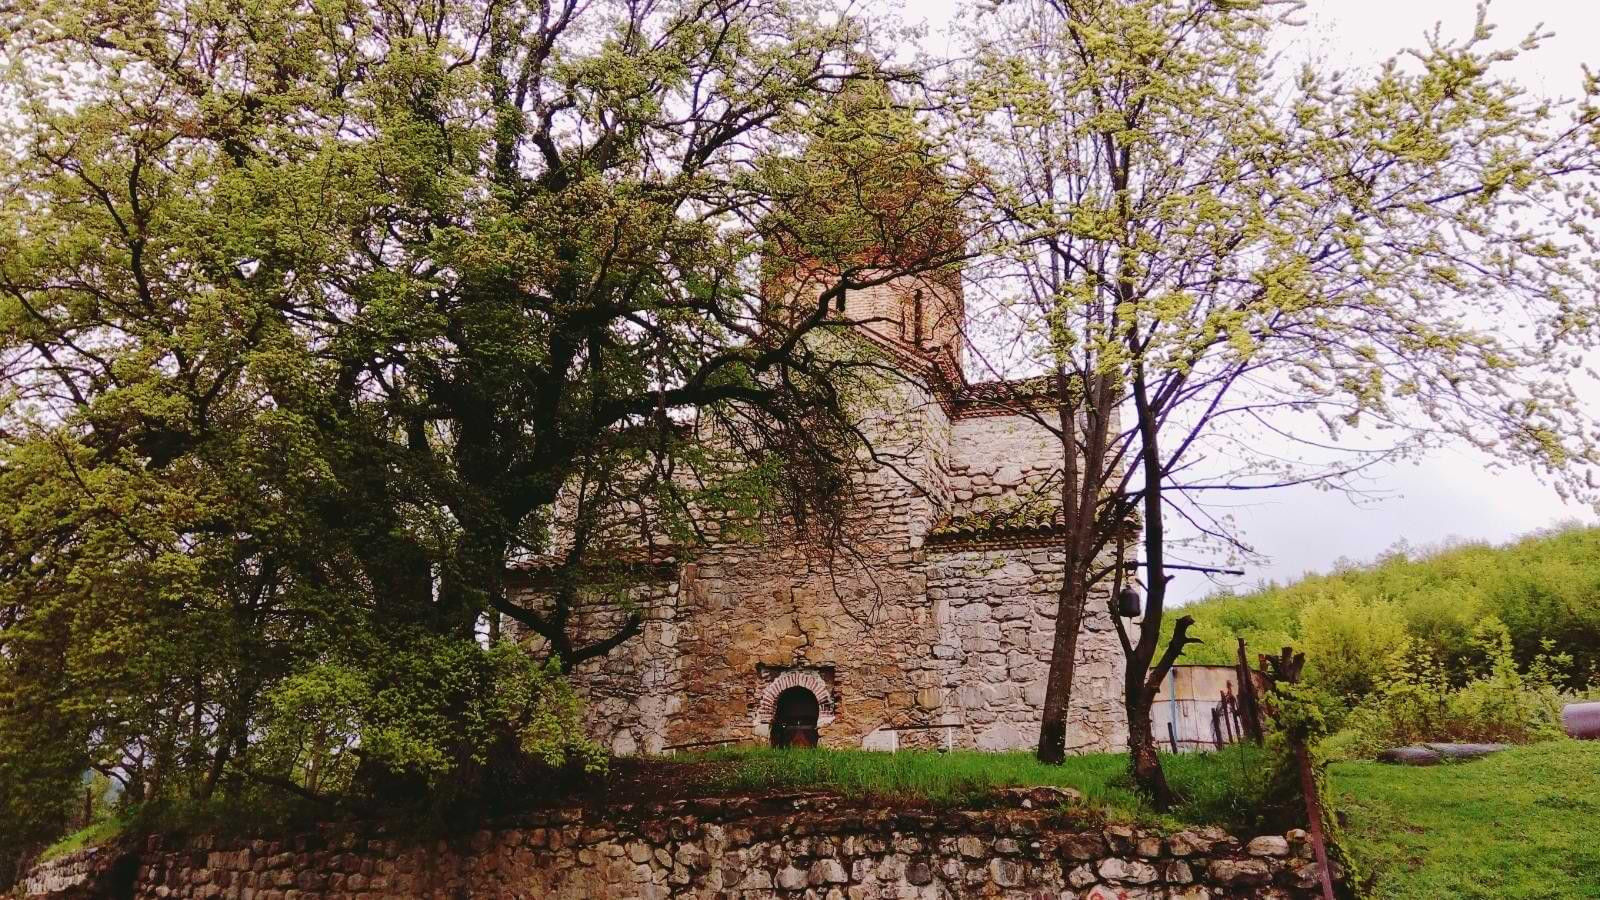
(1000, 608)
(908, 637)
(999, 457)
(636, 691)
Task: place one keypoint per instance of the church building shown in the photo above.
(932, 630)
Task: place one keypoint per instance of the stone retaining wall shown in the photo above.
(800, 846)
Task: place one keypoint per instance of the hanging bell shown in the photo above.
(1128, 602)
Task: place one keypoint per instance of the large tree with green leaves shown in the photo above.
(1244, 277)
(310, 314)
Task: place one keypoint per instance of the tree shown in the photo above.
(1281, 279)
(310, 314)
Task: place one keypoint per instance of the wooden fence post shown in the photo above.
(1249, 704)
(1285, 669)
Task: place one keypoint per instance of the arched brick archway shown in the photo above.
(794, 719)
(809, 679)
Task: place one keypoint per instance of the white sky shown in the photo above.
(1452, 495)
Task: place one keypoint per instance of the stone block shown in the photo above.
(1125, 871)
(1238, 872)
(1120, 838)
(918, 872)
(1268, 845)
(1082, 847)
(1007, 872)
(827, 871)
(757, 879)
(1001, 736)
(791, 878)
(1188, 843)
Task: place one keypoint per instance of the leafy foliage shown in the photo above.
(314, 317)
(1416, 703)
(1544, 589)
(1275, 277)
(424, 705)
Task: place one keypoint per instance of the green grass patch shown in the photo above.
(94, 835)
(1209, 782)
(1517, 824)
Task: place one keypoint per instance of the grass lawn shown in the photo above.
(92, 836)
(1524, 823)
(1207, 781)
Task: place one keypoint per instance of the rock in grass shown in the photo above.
(1039, 797)
(1466, 751)
(1411, 756)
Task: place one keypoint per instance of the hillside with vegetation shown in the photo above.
(1544, 589)
(1469, 642)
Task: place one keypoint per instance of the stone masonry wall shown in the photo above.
(996, 457)
(800, 846)
(634, 692)
(1000, 609)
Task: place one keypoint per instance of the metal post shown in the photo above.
(1172, 706)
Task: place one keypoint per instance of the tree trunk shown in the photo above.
(1143, 762)
(1063, 663)
(1142, 679)
(219, 763)
(1079, 519)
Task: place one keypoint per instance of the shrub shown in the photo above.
(1415, 702)
(1347, 641)
(426, 710)
(1544, 587)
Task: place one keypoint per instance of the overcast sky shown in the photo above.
(1452, 495)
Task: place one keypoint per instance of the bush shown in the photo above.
(1347, 641)
(1415, 701)
(1248, 789)
(427, 712)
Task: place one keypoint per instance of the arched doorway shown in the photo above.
(794, 718)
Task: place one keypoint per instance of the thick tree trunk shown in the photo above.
(219, 763)
(1080, 520)
(1143, 762)
(1063, 664)
(1145, 672)
(1141, 684)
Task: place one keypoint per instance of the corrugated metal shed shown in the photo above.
(1194, 710)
